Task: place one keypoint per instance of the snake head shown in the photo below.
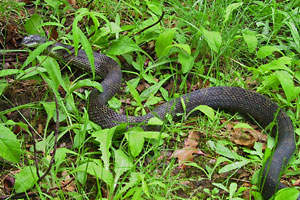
(33, 40)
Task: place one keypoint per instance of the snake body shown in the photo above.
(233, 99)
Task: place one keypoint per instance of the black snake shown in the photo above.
(233, 99)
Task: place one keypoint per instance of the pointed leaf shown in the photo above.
(233, 166)
(135, 141)
(230, 9)
(251, 40)
(122, 46)
(266, 51)
(53, 70)
(104, 137)
(213, 39)
(286, 80)
(25, 179)
(208, 111)
(9, 145)
(122, 163)
(95, 169)
(163, 41)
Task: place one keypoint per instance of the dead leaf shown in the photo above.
(245, 136)
(8, 184)
(68, 184)
(190, 148)
(297, 183)
(72, 2)
(142, 86)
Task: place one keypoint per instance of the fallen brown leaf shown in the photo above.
(190, 148)
(297, 183)
(245, 136)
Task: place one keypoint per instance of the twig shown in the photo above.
(55, 141)
(160, 18)
(35, 156)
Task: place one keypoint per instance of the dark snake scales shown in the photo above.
(233, 99)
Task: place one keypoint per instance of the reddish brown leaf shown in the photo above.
(297, 183)
(190, 148)
(72, 2)
(8, 184)
(245, 136)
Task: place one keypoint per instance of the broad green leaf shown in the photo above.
(122, 163)
(230, 9)
(286, 80)
(258, 149)
(80, 137)
(186, 61)
(60, 156)
(86, 83)
(104, 137)
(133, 82)
(277, 64)
(25, 179)
(243, 125)
(155, 121)
(88, 50)
(3, 85)
(208, 111)
(95, 169)
(269, 81)
(152, 100)
(30, 72)
(233, 166)
(250, 39)
(185, 47)
(266, 51)
(135, 141)
(36, 52)
(55, 4)
(155, 6)
(287, 194)
(8, 72)
(138, 192)
(221, 186)
(224, 151)
(135, 94)
(75, 29)
(163, 42)
(154, 88)
(213, 39)
(49, 108)
(9, 145)
(33, 25)
(154, 135)
(122, 46)
(114, 103)
(53, 70)
(28, 105)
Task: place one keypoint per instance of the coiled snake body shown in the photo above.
(232, 99)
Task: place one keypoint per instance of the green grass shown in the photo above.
(250, 44)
